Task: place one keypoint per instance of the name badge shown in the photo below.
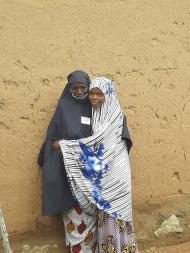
(85, 120)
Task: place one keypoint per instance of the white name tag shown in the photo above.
(85, 120)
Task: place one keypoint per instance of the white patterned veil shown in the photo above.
(98, 167)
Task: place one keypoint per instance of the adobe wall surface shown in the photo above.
(142, 45)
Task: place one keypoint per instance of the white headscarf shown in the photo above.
(98, 166)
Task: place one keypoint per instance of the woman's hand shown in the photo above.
(56, 145)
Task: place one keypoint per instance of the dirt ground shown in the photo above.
(53, 240)
(51, 237)
(143, 46)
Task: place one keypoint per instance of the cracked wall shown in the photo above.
(142, 45)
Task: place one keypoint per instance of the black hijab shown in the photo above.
(65, 124)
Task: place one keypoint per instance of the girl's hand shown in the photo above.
(56, 145)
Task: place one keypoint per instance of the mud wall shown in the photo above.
(142, 45)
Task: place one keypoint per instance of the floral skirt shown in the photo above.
(115, 236)
(80, 231)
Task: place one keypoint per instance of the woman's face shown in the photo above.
(96, 97)
(79, 89)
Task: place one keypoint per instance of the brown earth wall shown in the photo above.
(143, 45)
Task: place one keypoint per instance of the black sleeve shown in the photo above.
(51, 135)
(125, 134)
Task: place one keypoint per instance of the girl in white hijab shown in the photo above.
(99, 171)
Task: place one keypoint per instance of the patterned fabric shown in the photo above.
(98, 166)
(115, 236)
(80, 231)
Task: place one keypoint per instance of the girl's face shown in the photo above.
(79, 89)
(96, 97)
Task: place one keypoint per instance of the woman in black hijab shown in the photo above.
(71, 120)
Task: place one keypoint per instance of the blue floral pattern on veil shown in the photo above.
(93, 170)
(109, 88)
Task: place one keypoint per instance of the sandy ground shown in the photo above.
(143, 45)
(147, 220)
(45, 238)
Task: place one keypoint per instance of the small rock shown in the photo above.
(35, 249)
(170, 225)
(26, 248)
